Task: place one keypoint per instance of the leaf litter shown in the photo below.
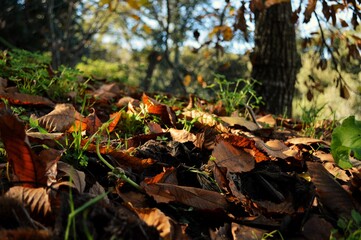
(196, 175)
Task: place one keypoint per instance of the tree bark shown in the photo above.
(275, 59)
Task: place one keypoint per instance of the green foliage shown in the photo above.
(32, 74)
(236, 94)
(350, 228)
(309, 118)
(101, 69)
(346, 142)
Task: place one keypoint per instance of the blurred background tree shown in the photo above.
(178, 45)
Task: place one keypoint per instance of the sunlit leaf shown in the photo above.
(36, 199)
(62, 118)
(346, 141)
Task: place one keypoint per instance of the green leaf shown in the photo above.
(346, 141)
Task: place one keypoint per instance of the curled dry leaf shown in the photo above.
(276, 149)
(167, 228)
(167, 115)
(205, 119)
(247, 144)
(36, 199)
(63, 117)
(194, 197)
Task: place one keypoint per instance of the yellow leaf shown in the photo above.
(147, 29)
(187, 80)
(133, 4)
(227, 33)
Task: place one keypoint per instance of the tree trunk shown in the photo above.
(275, 59)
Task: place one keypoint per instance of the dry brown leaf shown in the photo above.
(233, 159)
(180, 135)
(36, 199)
(26, 99)
(107, 92)
(239, 121)
(205, 119)
(167, 228)
(169, 175)
(194, 197)
(275, 149)
(267, 120)
(77, 177)
(93, 123)
(62, 118)
(317, 228)
(246, 144)
(25, 233)
(135, 163)
(29, 168)
(330, 192)
(306, 141)
(246, 232)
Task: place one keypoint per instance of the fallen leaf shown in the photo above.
(62, 118)
(194, 197)
(246, 232)
(239, 121)
(137, 164)
(167, 227)
(233, 159)
(29, 169)
(180, 135)
(330, 192)
(26, 99)
(36, 199)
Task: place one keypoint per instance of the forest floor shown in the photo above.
(123, 165)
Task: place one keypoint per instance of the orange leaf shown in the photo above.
(167, 115)
(115, 117)
(19, 154)
(167, 176)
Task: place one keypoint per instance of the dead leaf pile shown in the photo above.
(215, 178)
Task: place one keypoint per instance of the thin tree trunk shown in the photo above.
(275, 59)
